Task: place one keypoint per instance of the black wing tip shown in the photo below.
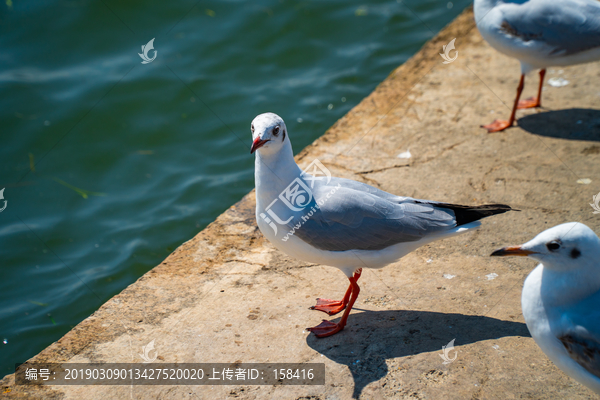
(467, 214)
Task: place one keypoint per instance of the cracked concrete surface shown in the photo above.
(228, 295)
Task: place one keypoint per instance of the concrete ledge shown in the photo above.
(227, 295)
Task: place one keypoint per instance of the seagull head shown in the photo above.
(269, 133)
(562, 248)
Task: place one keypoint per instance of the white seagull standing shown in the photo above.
(540, 34)
(341, 222)
(561, 298)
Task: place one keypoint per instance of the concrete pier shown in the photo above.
(227, 295)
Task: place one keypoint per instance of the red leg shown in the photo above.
(500, 125)
(327, 328)
(333, 307)
(533, 102)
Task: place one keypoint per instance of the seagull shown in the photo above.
(561, 298)
(540, 34)
(339, 222)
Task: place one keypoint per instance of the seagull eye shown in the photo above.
(276, 131)
(553, 245)
(252, 127)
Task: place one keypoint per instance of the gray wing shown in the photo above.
(579, 332)
(568, 27)
(344, 217)
(363, 187)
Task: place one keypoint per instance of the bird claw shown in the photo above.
(331, 307)
(325, 328)
(531, 102)
(497, 126)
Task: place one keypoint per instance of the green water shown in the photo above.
(110, 164)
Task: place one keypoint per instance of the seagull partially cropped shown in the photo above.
(540, 34)
(340, 222)
(561, 298)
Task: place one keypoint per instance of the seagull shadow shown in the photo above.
(374, 336)
(573, 123)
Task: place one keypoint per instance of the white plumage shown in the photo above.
(561, 298)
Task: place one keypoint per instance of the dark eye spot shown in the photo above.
(276, 130)
(252, 127)
(283, 136)
(553, 245)
(575, 253)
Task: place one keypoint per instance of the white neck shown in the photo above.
(568, 287)
(274, 171)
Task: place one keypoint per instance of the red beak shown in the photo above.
(257, 144)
